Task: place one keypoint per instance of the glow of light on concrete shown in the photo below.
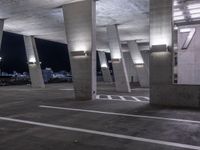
(104, 65)
(160, 39)
(116, 55)
(184, 30)
(193, 6)
(138, 61)
(160, 54)
(32, 59)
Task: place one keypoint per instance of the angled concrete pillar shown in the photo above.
(1, 36)
(119, 68)
(104, 67)
(35, 71)
(80, 25)
(139, 64)
(130, 67)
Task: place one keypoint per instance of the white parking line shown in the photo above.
(135, 98)
(109, 97)
(97, 96)
(147, 98)
(66, 89)
(122, 98)
(105, 99)
(95, 132)
(120, 114)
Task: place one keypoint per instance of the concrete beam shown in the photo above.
(35, 71)
(138, 61)
(104, 67)
(80, 26)
(119, 68)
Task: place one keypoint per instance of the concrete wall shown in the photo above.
(162, 91)
(80, 25)
(189, 59)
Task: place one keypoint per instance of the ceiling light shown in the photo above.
(195, 16)
(178, 13)
(193, 6)
(194, 11)
(176, 18)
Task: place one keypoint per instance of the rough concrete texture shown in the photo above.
(44, 18)
(119, 68)
(33, 62)
(131, 70)
(139, 63)
(80, 27)
(162, 91)
(19, 104)
(188, 68)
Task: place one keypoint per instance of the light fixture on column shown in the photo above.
(116, 60)
(79, 53)
(104, 65)
(159, 48)
(32, 60)
(139, 65)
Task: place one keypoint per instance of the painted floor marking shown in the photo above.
(123, 98)
(66, 89)
(95, 132)
(133, 101)
(120, 114)
(109, 97)
(135, 98)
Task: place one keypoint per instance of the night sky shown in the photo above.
(53, 55)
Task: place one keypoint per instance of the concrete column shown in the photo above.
(1, 36)
(35, 71)
(130, 67)
(119, 68)
(80, 25)
(104, 67)
(139, 64)
(1, 30)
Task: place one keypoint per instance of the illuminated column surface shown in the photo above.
(1, 35)
(119, 68)
(104, 67)
(35, 71)
(138, 61)
(161, 32)
(80, 25)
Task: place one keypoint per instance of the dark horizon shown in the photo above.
(52, 54)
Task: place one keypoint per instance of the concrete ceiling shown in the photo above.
(44, 19)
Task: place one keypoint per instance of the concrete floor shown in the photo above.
(49, 119)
